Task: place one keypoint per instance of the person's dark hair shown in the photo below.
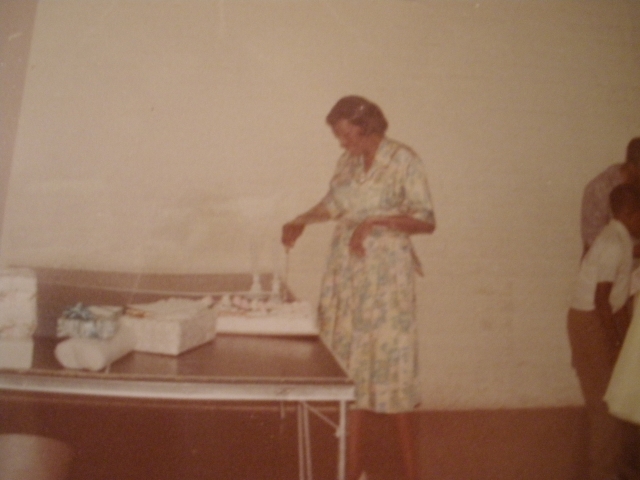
(633, 151)
(361, 112)
(625, 197)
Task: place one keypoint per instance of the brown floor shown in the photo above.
(118, 443)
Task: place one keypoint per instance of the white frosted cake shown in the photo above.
(171, 326)
(18, 316)
(242, 315)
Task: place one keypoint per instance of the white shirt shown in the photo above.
(610, 259)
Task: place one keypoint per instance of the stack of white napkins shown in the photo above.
(18, 317)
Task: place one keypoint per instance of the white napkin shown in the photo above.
(95, 354)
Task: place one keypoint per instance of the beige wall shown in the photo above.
(179, 136)
(16, 28)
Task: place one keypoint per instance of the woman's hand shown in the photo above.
(290, 233)
(293, 229)
(402, 223)
(356, 243)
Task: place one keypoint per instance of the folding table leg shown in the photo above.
(301, 469)
(304, 439)
(307, 441)
(341, 433)
(305, 466)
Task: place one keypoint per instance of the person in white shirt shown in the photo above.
(597, 322)
(595, 211)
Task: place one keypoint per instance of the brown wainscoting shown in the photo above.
(120, 442)
(518, 444)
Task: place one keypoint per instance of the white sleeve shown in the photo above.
(608, 262)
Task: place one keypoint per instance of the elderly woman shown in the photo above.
(378, 196)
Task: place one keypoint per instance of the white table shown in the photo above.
(230, 368)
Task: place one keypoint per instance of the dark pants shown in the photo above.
(612, 442)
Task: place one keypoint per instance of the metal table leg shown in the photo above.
(341, 433)
(305, 467)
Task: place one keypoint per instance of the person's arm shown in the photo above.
(594, 212)
(417, 209)
(293, 229)
(605, 313)
(403, 223)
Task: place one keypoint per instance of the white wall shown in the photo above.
(178, 136)
(16, 29)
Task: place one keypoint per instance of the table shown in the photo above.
(230, 368)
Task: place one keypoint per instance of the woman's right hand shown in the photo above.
(290, 233)
(293, 229)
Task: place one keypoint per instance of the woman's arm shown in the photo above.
(293, 229)
(403, 223)
(605, 313)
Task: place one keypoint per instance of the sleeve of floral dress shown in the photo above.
(417, 196)
(329, 201)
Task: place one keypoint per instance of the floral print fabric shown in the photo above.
(367, 305)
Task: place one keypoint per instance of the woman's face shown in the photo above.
(350, 136)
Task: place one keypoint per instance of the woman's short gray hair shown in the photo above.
(361, 112)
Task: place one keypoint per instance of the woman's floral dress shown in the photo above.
(367, 305)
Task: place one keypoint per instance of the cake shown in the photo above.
(171, 326)
(18, 316)
(254, 316)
